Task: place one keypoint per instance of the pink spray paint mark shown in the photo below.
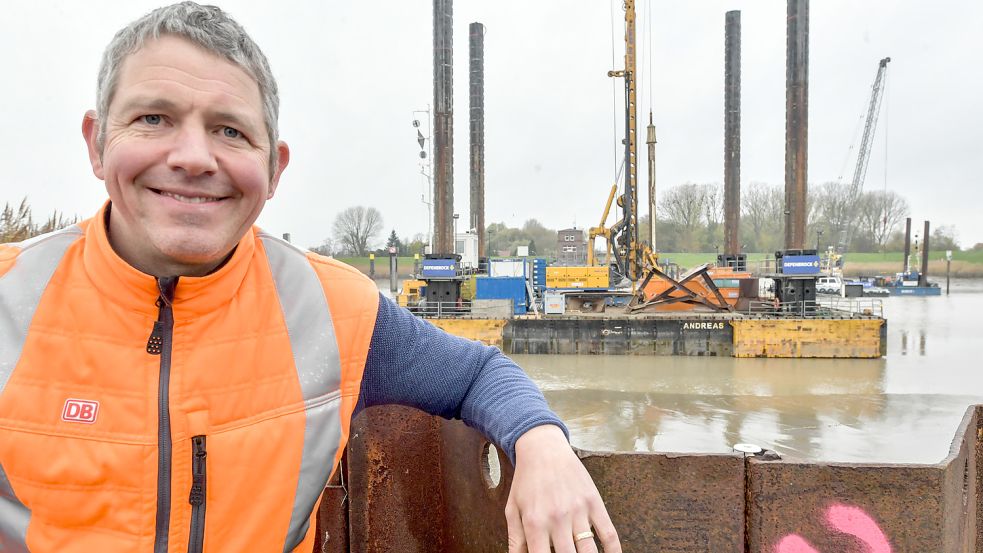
(854, 521)
(844, 519)
(794, 544)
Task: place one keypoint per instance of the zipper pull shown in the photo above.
(156, 341)
(197, 496)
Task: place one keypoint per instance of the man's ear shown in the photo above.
(283, 158)
(90, 132)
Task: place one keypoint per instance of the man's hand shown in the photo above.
(553, 499)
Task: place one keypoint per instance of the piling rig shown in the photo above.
(623, 235)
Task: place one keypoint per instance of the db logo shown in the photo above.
(80, 410)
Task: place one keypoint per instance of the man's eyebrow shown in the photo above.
(235, 119)
(162, 104)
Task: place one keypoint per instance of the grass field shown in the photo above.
(964, 264)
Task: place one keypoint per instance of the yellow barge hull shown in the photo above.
(705, 335)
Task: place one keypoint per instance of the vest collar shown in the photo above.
(195, 296)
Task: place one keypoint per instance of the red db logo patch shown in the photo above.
(80, 410)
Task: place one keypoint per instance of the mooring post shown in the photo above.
(948, 266)
(392, 269)
(371, 265)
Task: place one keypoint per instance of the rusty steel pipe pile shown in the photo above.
(443, 129)
(476, 34)
(732, 132)
(796, 123)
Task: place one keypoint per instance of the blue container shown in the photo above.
(503, 288)
(539, 272)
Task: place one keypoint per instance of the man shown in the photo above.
(166, 360)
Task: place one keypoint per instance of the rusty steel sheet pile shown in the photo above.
(415, 483)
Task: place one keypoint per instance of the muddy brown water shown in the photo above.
(903, 408)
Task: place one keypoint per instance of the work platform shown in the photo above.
(412, 483)
(819, 333)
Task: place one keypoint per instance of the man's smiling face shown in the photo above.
(185, 158)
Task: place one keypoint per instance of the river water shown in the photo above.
(903, 408)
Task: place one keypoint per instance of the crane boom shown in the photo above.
(628, 245)
(873, 110)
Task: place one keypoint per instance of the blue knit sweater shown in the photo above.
(413, 363)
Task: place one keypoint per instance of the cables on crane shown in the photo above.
(614, 100)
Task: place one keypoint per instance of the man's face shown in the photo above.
(185, 160)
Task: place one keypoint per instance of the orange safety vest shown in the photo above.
(116, 435)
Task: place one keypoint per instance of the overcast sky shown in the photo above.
(352, 73)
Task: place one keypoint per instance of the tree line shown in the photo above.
(691, 217)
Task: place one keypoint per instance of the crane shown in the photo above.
(628, 251)
(863, 155)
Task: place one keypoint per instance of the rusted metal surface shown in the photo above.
(443, 129)
(475, 503)
(419, 484)
(476, 34)
(672, 503)
(332, 517)
(977, 467)
(395, 495)
(732, 132)
(796, 123)
(962, 496)
(866, 507)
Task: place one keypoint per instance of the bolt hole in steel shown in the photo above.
(491, 469)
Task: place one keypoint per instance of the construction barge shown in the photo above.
(524, 307)
(632, 302)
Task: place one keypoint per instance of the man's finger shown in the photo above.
(517, 538)
(603, 528)
(537, 537)
(583, 542)
(562, 536)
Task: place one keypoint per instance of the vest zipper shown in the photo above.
(160, 343)
(196, 537)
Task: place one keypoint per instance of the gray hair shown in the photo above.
(208, 27)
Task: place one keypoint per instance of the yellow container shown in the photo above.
(577, 277)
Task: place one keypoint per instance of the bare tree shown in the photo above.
(879, 213)
(713, 214)
(834, 212)
(682, 207)
(762, 216)
(327, 247)
(355, 227)
(713, 203)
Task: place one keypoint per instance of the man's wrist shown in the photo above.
(545, 435)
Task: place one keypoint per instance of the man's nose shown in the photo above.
(192, 152)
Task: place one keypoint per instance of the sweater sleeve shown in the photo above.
(413, 363)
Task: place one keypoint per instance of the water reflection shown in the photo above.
(922, 338)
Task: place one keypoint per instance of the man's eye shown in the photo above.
(151, 119)
(229, 132)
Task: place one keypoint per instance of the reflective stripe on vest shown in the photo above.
(318, 364)
(20, 293)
